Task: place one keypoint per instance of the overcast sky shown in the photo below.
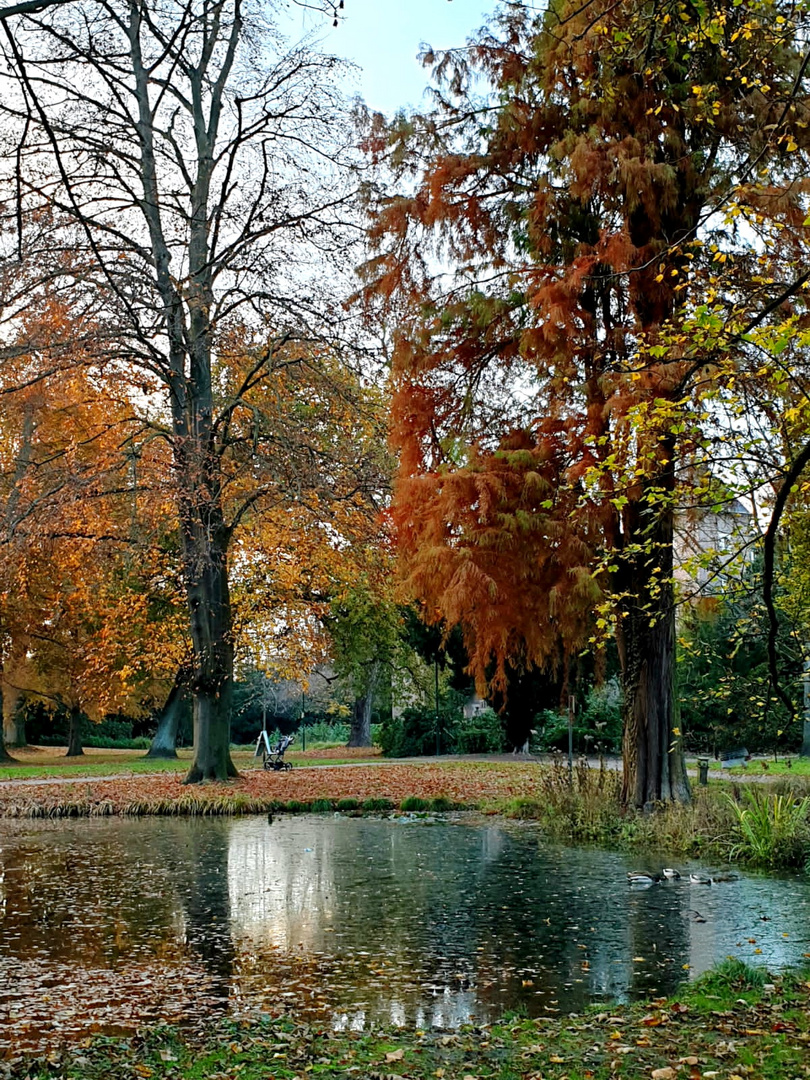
(383, 38)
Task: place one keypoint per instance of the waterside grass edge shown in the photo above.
(735, 1022)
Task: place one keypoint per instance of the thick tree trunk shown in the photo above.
(13, 720)
(164, 744)
(652, 752)
(212, 637)
(360, 733)
(805, 750)
(4, 754)
(652, 747)
(75, 735)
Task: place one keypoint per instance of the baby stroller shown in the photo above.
(272, 755)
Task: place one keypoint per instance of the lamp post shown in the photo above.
(572, 704)
(436, 701)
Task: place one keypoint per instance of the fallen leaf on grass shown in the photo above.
(653, 1020)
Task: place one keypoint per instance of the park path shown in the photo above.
(613, 763)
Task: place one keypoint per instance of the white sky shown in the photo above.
(383, 37)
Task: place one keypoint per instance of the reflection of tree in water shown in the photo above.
(202, 883)
(430, 924)
(356, 920)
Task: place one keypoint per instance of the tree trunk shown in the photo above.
(652, 748)
(4, 754)
(360, 734)
(805, 750)
(75, 735)
(13, 720)
(212, 637)
(164, 744)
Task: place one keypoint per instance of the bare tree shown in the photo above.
(196, 171)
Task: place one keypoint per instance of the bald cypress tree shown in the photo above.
(559, 214)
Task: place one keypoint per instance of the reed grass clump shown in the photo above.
(378, 806)
(413, 804)
(772, 830)
(441, 804)
(733, 974)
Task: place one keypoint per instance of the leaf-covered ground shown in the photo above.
(731, 1025)
(465, 783)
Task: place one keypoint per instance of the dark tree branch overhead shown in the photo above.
(30, 7)
(792, 475)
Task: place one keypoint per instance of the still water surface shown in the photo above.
(105, 924)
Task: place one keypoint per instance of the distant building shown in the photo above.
(474, 706)
(710, 546)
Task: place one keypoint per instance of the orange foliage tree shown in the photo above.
(90, 612)
(558, 215)
(308, 478)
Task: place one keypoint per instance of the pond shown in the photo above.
(106, 924)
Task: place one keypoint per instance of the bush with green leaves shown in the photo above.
(597, 725)
(480, 734)
(411, 734)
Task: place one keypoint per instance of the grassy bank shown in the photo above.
(49, 762)
(734, 1023)
(766, 826)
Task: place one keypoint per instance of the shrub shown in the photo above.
(597, 726)
(100, 743)
(413, 802)
(323, 732)
(440, 804)
(321, 806)
(378, 806)
(482, 734)
(346, 805)
(413, 734)
(773, 829)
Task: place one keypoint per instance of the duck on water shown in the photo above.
(641, 878)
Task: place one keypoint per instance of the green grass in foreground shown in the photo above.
(90, 768)
(123, 762)
(734, 1023)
